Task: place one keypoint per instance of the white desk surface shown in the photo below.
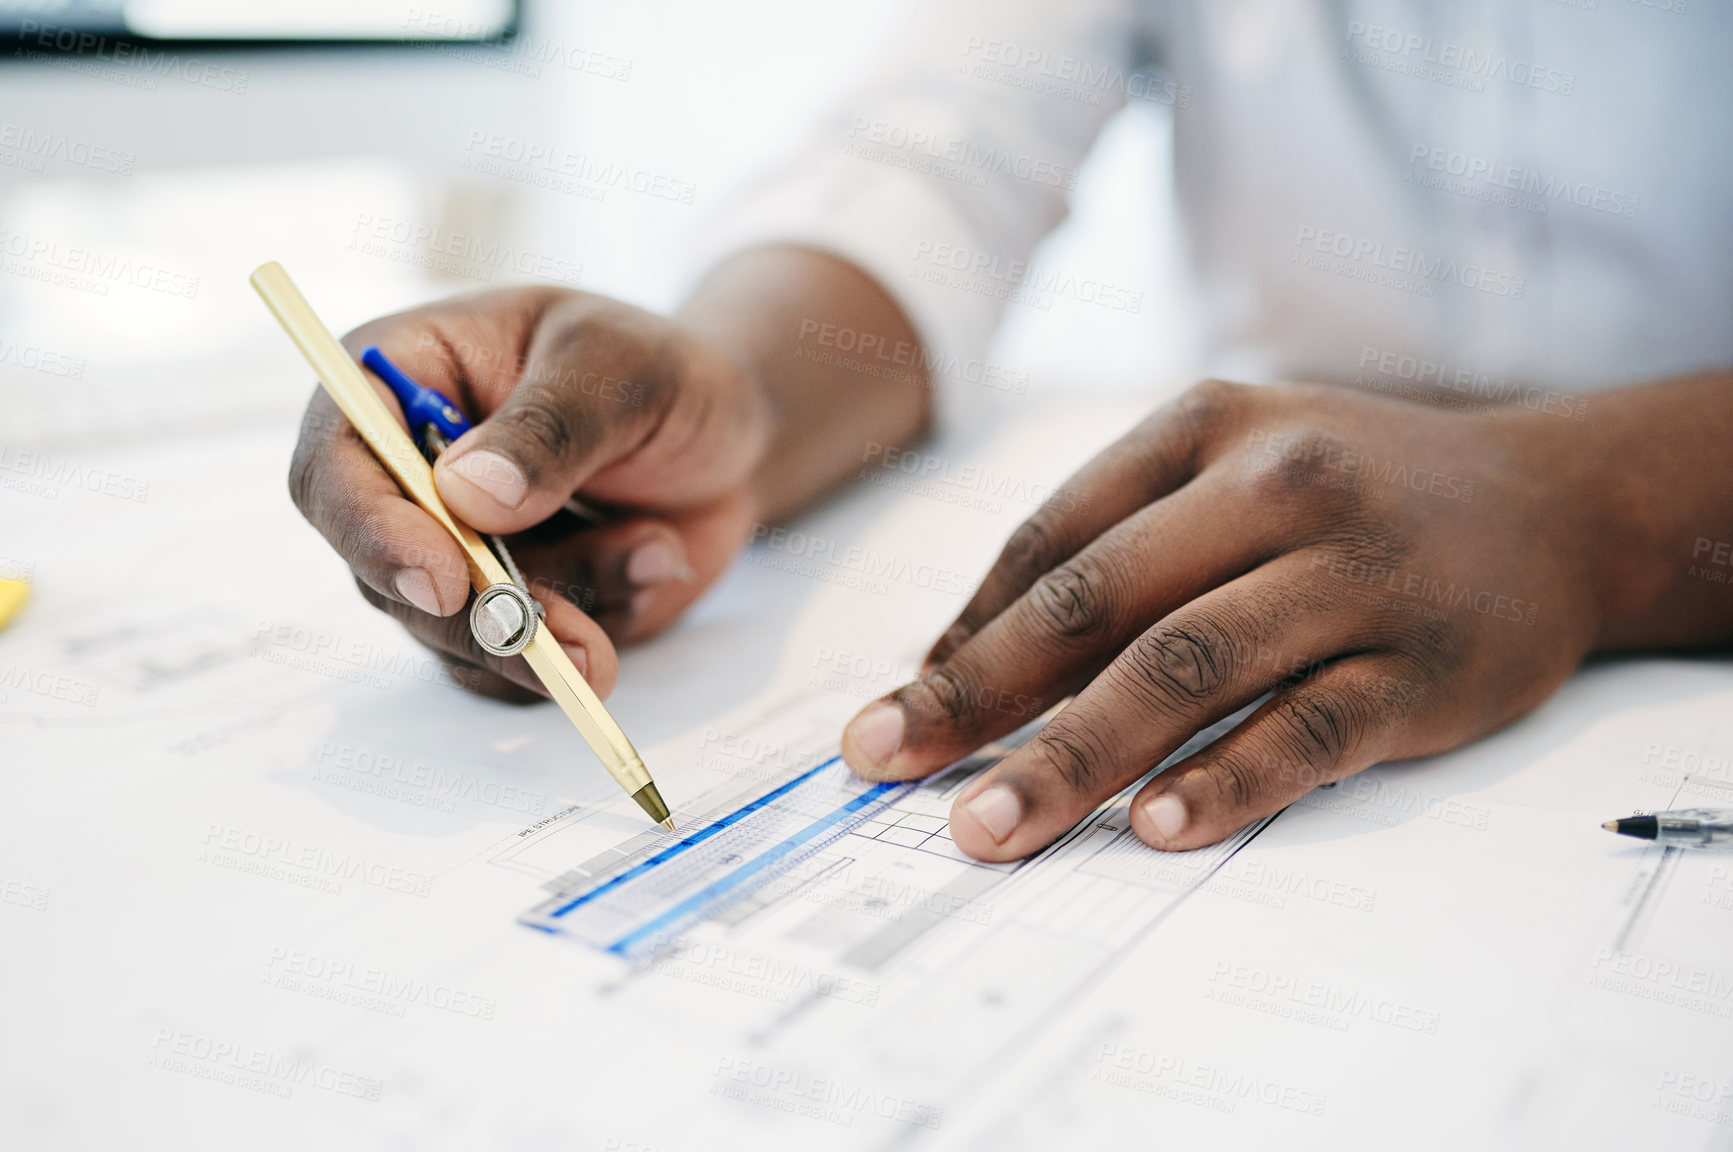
(1422, 960)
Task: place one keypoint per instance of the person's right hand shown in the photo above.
(568, 392)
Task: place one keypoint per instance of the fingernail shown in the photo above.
(498, 477)
(877, 733)
(416, 586)
(580, 659)
(998, 811)
(652, 562)
(1166, 814)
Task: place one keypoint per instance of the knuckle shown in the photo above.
(954, 638)
(1399, 694)
(613, 338)
(537, 422)
(1317, 726)
(1183, 664)
(1032, 547)
(1308, 460)
(1074, 599)
(1375, 544)
(600, 329)
(944, 695)
(302, 479)
(1360, 558)
(1237, 781)
(355, 535)
(1208, 406)
(1434, 642)
(1178, 438)
(1212, 397)
(311, 447)
(1075, 758)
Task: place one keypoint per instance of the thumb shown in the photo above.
(614, 399)
(569, 415)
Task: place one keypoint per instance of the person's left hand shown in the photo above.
(1403, 578)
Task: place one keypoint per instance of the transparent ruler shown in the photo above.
(644, 899)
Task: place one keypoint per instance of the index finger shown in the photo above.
(393, 546)
(1151, 461)
(460, 347)
(1070, 622)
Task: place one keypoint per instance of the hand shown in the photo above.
(1401, 580)
(568, 392)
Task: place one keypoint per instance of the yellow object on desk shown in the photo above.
(13, 594)
(390, 442)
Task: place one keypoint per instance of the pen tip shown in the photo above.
(650, 800)
(1611, 825)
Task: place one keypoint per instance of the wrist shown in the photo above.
(1644, 480)
(768, 308)
(1619, 529)
(760, 413)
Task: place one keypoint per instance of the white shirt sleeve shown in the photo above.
(941, 173)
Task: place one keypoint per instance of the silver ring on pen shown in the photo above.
(503, 619)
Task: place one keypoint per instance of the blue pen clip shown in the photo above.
(434, 421)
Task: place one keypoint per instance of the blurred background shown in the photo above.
(152, 154)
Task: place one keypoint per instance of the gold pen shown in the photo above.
(503, 617)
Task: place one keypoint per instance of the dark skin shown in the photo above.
(1323, 545)
(1400, 579)
(689, 429)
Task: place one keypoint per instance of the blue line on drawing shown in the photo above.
(693, 840)
(757, 864)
